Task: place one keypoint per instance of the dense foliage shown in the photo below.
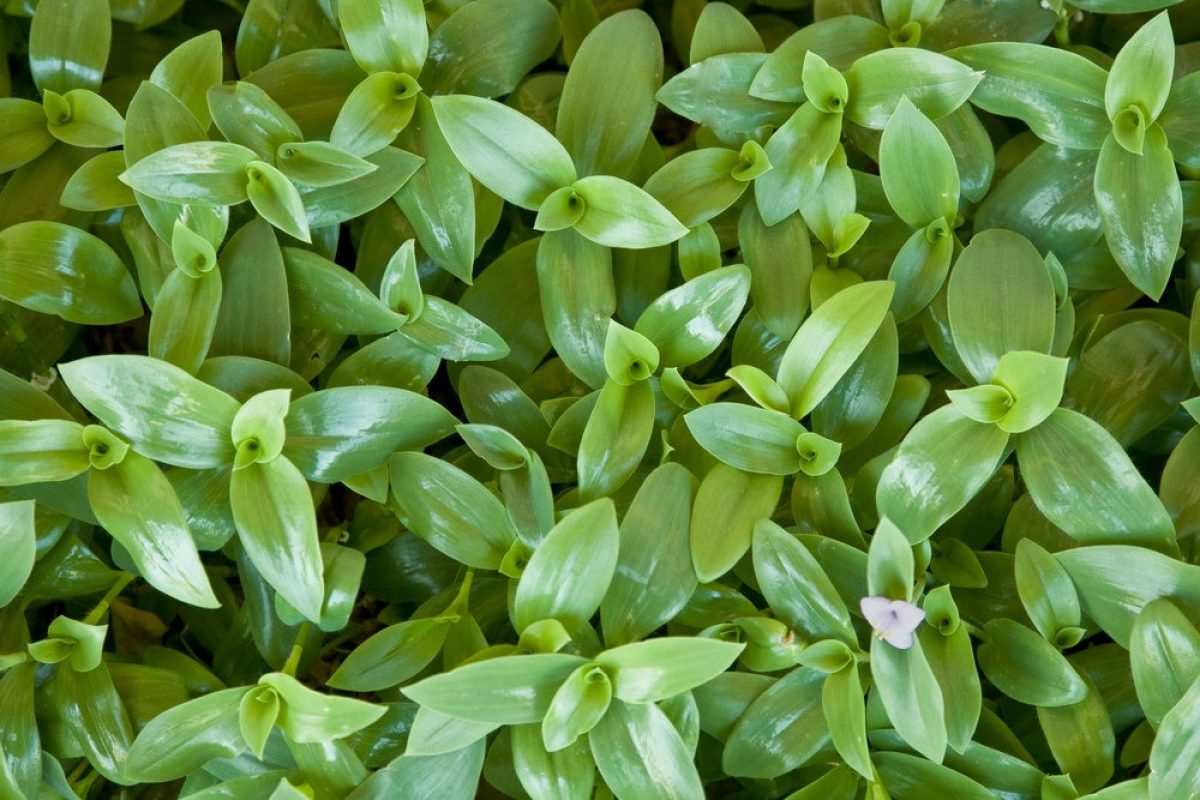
(599, 398)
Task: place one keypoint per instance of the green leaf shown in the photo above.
(783, 728)
(908, 776)
(653, 670)
(1083, 482)
(1081, 739)
(798, 152)
(607, 104)
(1173, 758)
(840, 40)
(205, 173)
(452, 511)
(454, 776)
(728, 505)
(257, 715)
(190, 70)
(942, 463)
(911, 696)
(1046, 591)
(83, 118)
(247, 115)
(1000, 298)
(335, 433)
(391, 656)
(377, 110)
(69, 43)
(23, 132)
(935, 84)
(917, 168)
(569, 572)
(1164, 653)
(309, 716)
(1141, 73)
(654, 578)
(276, 199)
(89, 706)
(439, 200)
(509, 690)
(566, 773)
(95, 186)
(254, 320)
(18, 539)
(486, 48)
(22, 759)
(845, 713)
(780, 259)
(1141, 205)
(385, 36)
(325, 296)
(1057, 93)
(699, 185)
(1034, 382)
(165, 413)
(41, 450)
(796, 586)
(1026, 667)
(277, 527)
(185, 318)
(615, 438)
(619, 214)
(829, 341)
(641, 756)
(53, 268)
(577, 706)
(137, 506)
(507, 152)
(748, 438)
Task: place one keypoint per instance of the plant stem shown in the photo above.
(113, 591)
(293, 660)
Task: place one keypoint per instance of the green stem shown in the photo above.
(113, 591)
(1062, 31)
(293, 659)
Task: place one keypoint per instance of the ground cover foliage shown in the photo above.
(599, 398)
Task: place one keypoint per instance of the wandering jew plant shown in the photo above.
(573, 399)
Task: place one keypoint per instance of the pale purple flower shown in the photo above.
(893, 620)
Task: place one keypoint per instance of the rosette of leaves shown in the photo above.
(565, 398)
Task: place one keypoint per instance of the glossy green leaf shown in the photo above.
(728, 505)
(1173, 756)
(339, 432)
(747, 438)
(505, 151)
(1142, 208)
(798, 152)
(205, 173)
(137, 506)
(510, 690)
(450, 510)
(782, 728)
(1164, 652)
(569, 572)
(173, 417)
(1058, 93)
(69, 44)
(829, 341)
(1084, 483)
(277, 526)
(641, 756)
(796, 586)
(941, 464)
(615, 438)
(1000, 299)
(935, 84)
(389, 36)
(917, 167)
(1026, 667)
(53, 268)
(911, 696)
(607, 105)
